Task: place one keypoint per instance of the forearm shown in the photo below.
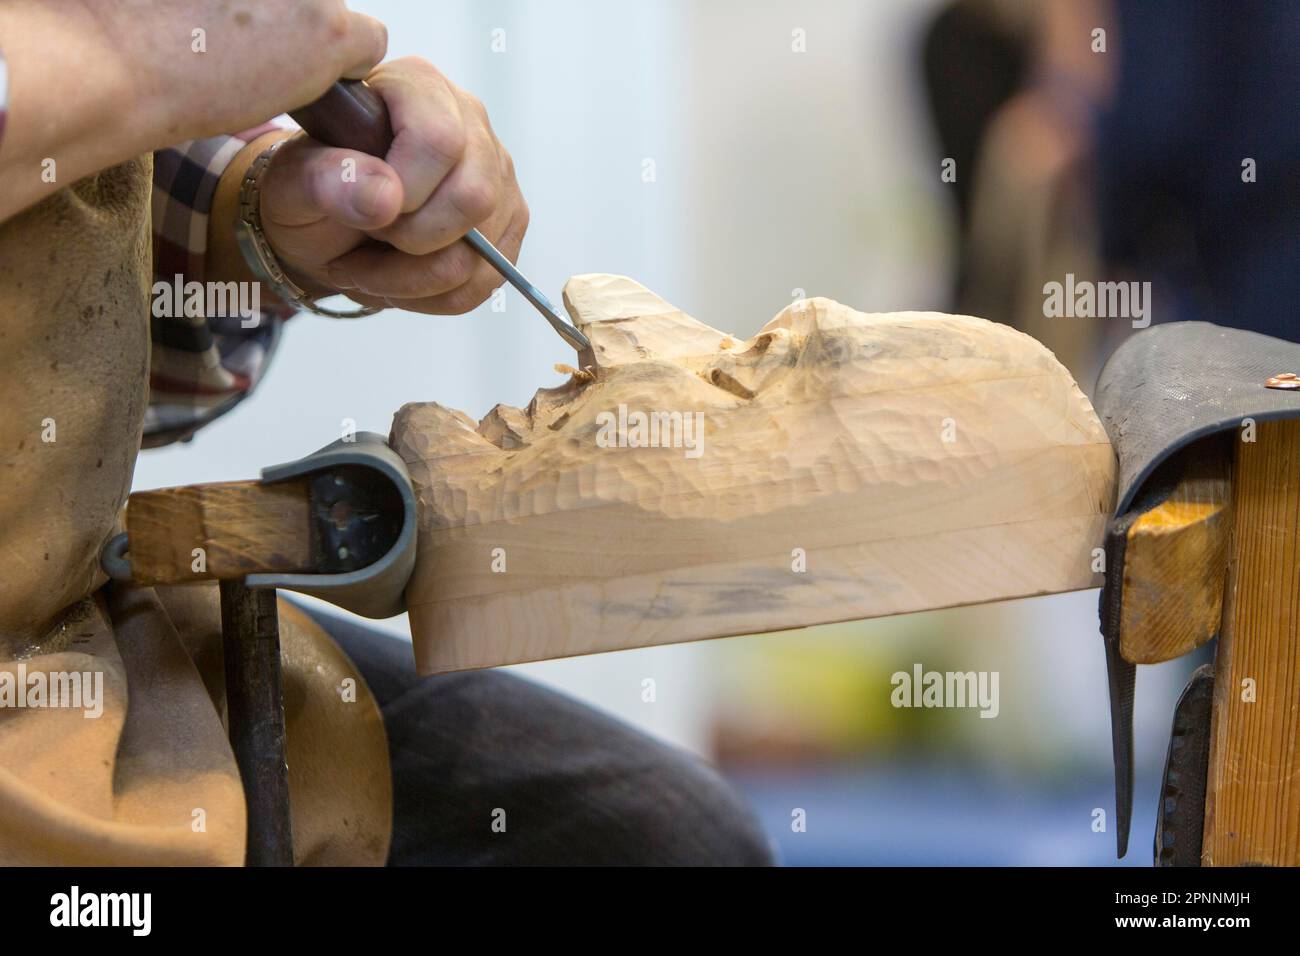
(69, 111)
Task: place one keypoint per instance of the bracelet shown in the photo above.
(261, 257)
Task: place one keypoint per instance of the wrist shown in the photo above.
(262, 260)
(225, 261)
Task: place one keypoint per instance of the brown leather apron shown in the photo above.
(151, 779)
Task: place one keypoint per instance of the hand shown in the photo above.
(445, 174)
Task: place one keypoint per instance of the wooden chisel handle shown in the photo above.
(351, 115)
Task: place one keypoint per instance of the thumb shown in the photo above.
(308, 182)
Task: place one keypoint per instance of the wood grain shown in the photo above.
(1252, 813)
(242, 527)
(916, 460)
(1175, 563)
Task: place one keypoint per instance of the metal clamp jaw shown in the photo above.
(357, 547)
(363, 515)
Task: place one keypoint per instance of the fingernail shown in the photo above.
(367, 195)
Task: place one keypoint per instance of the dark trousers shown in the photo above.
(489, 768)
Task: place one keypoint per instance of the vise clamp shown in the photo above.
(338, 525)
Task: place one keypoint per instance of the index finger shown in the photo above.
(429, 136)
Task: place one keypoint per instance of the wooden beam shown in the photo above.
(850, 466)
(241, 528)
(1252, 813)
(1175, 562)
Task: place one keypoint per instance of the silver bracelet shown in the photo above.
(261, 257)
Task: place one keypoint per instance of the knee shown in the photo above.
(559, 782)
(676, 810)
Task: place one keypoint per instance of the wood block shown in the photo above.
(1175, 563)
(242, 527)
(1252, 808)
(850, 466)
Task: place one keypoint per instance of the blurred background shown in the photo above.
(735, 155)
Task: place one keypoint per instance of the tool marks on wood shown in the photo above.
(241, 527)
(917, 460)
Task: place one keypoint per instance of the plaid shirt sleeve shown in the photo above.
(201, 366)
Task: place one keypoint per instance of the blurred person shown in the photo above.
(974, 57)
(1164, 154)
(1028, 196)
(1198, 160)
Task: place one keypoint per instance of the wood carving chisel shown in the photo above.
(351, 115)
